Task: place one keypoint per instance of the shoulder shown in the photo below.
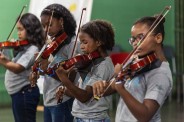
(107, 61)
(159, 83)
(160, 76)
(32, 48)
(106, 65)
(164, 69)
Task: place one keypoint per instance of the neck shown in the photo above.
(102, 52)
(58, 34)
(160, 54)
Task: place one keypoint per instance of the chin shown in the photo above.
(20, 39)
(141, 55)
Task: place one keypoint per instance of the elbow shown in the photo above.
(144, 118)
(84, 99)
(16, 71)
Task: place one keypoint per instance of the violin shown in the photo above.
(74, 60)
(47, 49)
(8, 44)
(50, 48)
(80, 61)
(135, 67)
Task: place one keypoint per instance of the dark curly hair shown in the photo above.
(100, 30)
(149, 20)
(34, 29)
(59, 11)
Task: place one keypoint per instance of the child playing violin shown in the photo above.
(143, 95)
(24, 98)
(62, 22)
(95, 36)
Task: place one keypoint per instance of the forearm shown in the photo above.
(14, 67)
(68, 93)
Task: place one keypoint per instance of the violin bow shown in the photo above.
(129, 58)
(20, 15)
(38, 57)
(46, 36)
(74, 47)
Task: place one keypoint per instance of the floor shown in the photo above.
(171, 112)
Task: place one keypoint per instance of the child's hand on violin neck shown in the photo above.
(44, 64)
(33, 77)
(117, 68)
(36, 54)
(60, 71)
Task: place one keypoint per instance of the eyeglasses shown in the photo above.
(137, 38)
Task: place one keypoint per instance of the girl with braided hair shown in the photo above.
(57, 20)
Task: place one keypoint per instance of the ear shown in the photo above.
(61, 21)
(159, 38)
(98, 43)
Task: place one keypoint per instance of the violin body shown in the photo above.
(80, 61)
(53, 46)
(135, 67)
(45, 53)
(8, 44)
(141, 63)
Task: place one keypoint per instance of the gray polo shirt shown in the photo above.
(95, 110)
(155, 84)
(15, 82)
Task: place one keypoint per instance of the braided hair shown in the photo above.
(59, 11)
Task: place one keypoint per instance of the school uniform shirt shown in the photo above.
(155, 84)
(95, 110)
(50, 85)
(15, 82)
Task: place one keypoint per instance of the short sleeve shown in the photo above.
(103, 72)
(27, 58)
(158, 87)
